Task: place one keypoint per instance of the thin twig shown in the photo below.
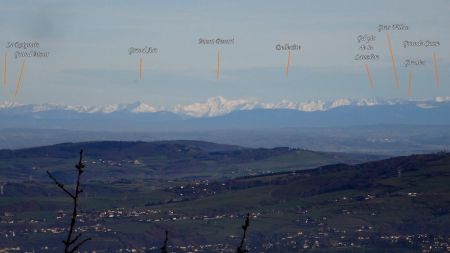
(241, 248)
(164, 247)
(60, 185)
(79, 244)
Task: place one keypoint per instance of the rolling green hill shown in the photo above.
(112, 160)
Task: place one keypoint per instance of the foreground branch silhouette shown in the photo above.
(72, 242)
(241, 248)
(164, 247)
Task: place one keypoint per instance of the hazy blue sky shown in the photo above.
(89, 63)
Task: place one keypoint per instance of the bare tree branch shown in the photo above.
(76, 238)
(60, 185)
(164, 247)
(79, 244)
(69, 243)
(241, 248)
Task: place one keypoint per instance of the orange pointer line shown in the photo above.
(409, 83)
(218, 64)
(436, 73)
(288, 63)
(140, 69)
(394, 69)
(369, 75)
(4, 70)
(22, 67)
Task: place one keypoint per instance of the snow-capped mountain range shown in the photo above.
(217, 106)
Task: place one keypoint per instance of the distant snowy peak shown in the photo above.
(142, 108)
(442, 99)
(137, 107)
(217, 106)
